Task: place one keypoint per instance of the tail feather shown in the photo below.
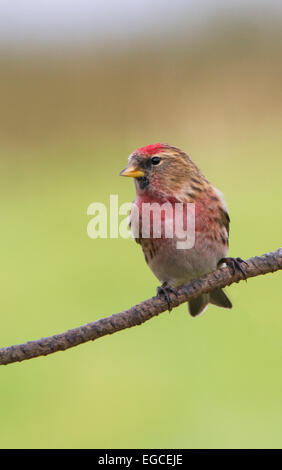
(219, 298)
(198, 305)
(215, 297)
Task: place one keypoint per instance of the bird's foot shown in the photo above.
(165, 289)
(233, 264)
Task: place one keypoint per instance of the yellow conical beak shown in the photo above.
(132, 172)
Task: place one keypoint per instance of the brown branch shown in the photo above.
(140, 313)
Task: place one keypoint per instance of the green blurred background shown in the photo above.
(71, 112)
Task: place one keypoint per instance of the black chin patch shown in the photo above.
(143, 182)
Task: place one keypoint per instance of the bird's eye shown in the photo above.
(155, 160)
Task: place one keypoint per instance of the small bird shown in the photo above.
(166, 174)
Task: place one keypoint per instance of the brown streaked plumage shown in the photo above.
(164, 173)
